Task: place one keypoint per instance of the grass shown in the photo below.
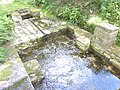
(7, 8)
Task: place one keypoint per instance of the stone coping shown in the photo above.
(108, 26)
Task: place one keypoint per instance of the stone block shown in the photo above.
(34, 70)
(97, 48)
(115, 63)
(105, 35)
(16, 17)
(83, 43)
(34, 13)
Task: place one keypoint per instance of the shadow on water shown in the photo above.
(66, 68)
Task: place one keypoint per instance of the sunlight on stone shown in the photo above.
(95, 20)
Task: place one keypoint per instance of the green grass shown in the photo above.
(7, 8)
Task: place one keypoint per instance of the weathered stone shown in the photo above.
(107, 54)
(34, 70)
(105, 35)
(34, 13)
(115, 63)
(97, 48)
(78, 32)
(13, 75)
(16, 17)
(115, 50)
(108, 27)
(83, 43)
(24, 11)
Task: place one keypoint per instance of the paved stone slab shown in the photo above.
(26, 31)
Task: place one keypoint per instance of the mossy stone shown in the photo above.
(5, 72)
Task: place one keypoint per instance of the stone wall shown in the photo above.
(105, 48)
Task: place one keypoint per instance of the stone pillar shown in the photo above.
(105, 35)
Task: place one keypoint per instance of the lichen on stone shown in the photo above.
(17, 84)
(34, 71)
(5, 72)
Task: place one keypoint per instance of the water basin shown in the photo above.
(68, 68)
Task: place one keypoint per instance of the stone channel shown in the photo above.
(53, 55)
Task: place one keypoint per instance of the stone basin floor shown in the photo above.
(67, 69)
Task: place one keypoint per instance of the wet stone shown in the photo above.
(34, 70)
(64, 71)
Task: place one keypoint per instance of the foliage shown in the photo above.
(110, 10)
(78, 12)
(40, 2)
(2, 55)
(6, 26)
(118, 39)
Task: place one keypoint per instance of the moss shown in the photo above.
(5, 73)
(19, 83)
(30, 65)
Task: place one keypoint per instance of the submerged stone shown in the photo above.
(34, 70)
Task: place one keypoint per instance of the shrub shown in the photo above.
(2, 55)
(40, 2)
(110, 10)
(6, 26)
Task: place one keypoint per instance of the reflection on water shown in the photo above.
(66, 70)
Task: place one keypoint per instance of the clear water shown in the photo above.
(67, 69)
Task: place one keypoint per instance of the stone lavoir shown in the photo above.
(49, 55)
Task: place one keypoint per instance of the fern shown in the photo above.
(6, 26)
(2, 55)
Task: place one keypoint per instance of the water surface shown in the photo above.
(67, 69)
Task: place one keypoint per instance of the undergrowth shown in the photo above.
(84, 13)
(2, 55)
